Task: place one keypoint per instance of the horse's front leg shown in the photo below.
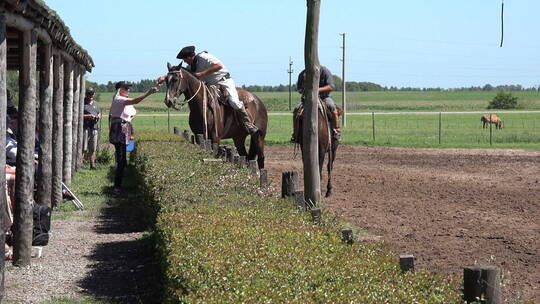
(240, 144)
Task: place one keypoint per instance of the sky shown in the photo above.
(415, 43)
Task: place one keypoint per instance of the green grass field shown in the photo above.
(389, 101)
(521, 130)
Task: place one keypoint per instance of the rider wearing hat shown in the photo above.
(212, 71)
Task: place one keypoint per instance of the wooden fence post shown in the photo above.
(482, 284)
(253, 166)
(289, 183)
(300, 200)
(316, 215)
(347, 236)
(264, 178)
(242, 161)
(406, 262)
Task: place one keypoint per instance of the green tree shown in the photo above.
(503, 101)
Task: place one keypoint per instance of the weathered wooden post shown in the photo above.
(58, 131)
(3, 104)
(264, 178)
(253, 166)
(81, 119)
(208, 145)
(299, 200)
(75, 118)
(347, 236)
(200, 140)
(406, 262)
(68, 118)
(44, 176)
(24, 183)
(289, 183)
(242, 161)
(316, 215)
(482, 284)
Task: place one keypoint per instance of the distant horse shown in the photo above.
(328, 144)
(493, 119)
(209, 116)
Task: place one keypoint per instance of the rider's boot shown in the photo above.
(334, 120)
(248, 125)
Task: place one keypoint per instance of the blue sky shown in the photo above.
(418, 43)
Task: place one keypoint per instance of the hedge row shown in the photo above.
(222, 240)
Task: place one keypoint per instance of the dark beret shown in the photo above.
(187, 51)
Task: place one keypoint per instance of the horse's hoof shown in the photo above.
(328, 193)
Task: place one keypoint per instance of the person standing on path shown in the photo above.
(92, 115)
(120, 131)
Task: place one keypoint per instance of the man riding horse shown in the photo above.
(213, 72)
(326, 85)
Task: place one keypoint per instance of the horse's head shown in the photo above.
(176, 84)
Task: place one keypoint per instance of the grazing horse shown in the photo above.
(492, 119)
(328, 144)
(209, 116)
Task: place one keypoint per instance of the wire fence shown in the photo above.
(400, 129)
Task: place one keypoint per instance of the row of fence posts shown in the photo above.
(481, 283)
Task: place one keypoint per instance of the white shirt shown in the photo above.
(120, 109)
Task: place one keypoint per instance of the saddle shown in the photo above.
(297, 119)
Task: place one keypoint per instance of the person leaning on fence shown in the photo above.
(92, 115)
(326, 85)
(120, 129)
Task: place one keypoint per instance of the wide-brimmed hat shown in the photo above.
(187, 51)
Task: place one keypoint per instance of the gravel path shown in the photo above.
(102, 256)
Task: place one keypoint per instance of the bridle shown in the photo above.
(204, 99)
(176, 93)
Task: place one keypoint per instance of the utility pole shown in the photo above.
(343, 86)
(290, 71)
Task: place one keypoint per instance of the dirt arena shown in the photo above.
(450, 208)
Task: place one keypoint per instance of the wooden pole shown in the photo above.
(490, 130)
(57, 137)
(312, 180)
(406, 262)
(26, 134)
(289, 183)
(80, 135)
(68, 119)
(482, 284)
(373, 124)
(44, 176)
(3, 104)
(75, 119)
(440, 127)
(344, 86)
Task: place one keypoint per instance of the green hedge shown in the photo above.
(222, 240)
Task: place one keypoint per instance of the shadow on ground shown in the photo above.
(125, 269)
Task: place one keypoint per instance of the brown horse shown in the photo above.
(491, 119)
(216, 121)
(328, 144)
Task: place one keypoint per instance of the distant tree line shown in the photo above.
(352, 86)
